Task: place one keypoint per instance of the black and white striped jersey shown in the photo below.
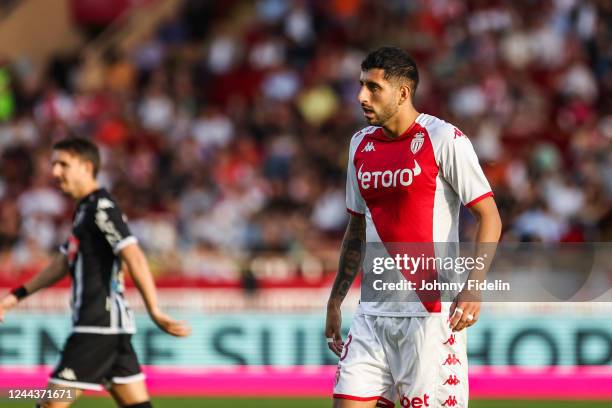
(99, 232)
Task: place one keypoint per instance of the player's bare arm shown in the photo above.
(56, 270)
(138, 267)
(466, 309)
(351, 257)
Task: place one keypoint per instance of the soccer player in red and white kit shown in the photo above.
(408, 174)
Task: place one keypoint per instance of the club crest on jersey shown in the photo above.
(417, 142)
(369, 147)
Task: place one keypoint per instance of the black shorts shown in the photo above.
(90, 361)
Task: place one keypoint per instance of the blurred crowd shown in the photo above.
(224, 134)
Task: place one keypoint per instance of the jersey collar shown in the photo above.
(90, 195)
(412, 129)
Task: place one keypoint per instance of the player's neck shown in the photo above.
(398, 125)
(86, 190)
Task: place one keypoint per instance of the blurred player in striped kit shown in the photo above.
(99, 351)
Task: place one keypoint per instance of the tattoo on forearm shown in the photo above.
(351, 257)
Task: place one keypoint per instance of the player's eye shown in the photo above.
(373, 88)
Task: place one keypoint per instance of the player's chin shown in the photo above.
(372, 121)
(62, 186)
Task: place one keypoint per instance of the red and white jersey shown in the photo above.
(410, 189)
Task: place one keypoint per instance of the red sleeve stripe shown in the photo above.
(355, 213)
(477, 199)
(354, 398)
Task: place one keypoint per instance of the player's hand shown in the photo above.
(176, 328)
(464, 311)
(333, 323)
(6, 303)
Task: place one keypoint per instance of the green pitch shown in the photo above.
(174, 402)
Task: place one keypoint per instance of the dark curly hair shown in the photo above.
(396, 63)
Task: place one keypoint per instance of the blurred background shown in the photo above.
(224, 129)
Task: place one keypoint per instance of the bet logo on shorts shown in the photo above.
(414, 402)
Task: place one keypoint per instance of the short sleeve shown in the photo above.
(460, 168)
(111, 222)
(355, 204)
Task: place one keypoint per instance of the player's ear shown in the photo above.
(89, 166)
(404, 93)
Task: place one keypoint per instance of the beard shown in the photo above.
(379, 118)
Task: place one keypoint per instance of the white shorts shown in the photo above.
(417, 360)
